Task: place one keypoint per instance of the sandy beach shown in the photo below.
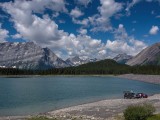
(102, 110)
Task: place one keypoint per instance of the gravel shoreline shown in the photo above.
(105, 109)
(155, 79)
(101, 110)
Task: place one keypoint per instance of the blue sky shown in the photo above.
(88, 28)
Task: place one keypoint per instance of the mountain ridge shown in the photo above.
(76, 61)
(148, 56)
(28, 55)
(122, 58)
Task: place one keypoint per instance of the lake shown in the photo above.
(24, 96)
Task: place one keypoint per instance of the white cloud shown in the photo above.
(83, 2)
(107, 9)
(134, 2)
(32, 27)
(85, 46)
(82, 45)
(101, 21)
(40, 5)
(16, 36)
(154, 30)
(3, 34)
(83, 22)
(120, 33)
(76, 12)
(131, 4)
(124, 43)
(82, 31)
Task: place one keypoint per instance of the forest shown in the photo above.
(104, 67)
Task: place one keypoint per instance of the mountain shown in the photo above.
(122, 58)
(107, 66)
(92, 60)
(28, 56)
(148, 56)
(76, 61)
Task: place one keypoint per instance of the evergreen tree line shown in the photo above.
(104, 67)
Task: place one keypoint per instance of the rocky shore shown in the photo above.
(144, 78)
(105, 109)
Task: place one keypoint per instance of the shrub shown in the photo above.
(154, 117)
(139, 112)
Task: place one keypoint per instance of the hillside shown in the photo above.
(148, 56)
(104, 67)
(122, 58)
(107, 66)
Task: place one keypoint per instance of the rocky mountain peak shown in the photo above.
(76, 60)
(28, 55)
(122, 58)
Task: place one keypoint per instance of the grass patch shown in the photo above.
(154, 117)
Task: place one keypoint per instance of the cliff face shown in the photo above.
(148, 56)
(28, 56)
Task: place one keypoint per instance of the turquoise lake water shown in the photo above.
(24, 96)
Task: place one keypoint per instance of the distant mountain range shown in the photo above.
(28, 56)
(31, 56)
(148, 56)
(122, 58)
(76, 61)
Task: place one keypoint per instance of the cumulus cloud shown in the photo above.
(124, 43)
(81, 45)
(82, 31)
(16, 36)
(3, 34)
(107, 9)
(83, 2)
(76, 12)
(85, 46)
(30, 26)
(154, 30)
(101, 21)
(83, 22)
